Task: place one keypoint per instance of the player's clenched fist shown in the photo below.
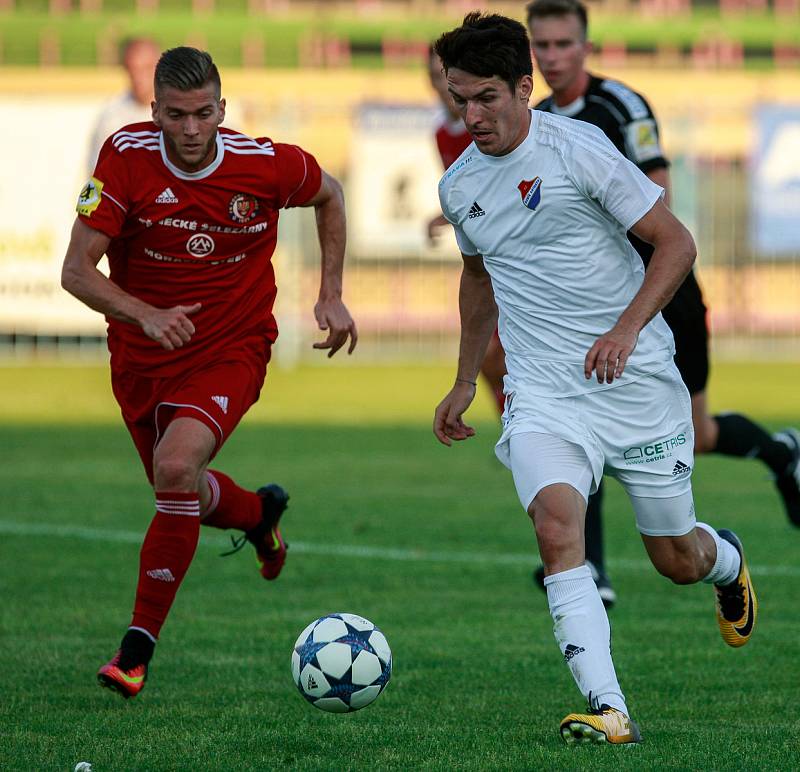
(171, 327)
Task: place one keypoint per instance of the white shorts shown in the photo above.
(639, 432)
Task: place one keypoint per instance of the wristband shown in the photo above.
(464, 380)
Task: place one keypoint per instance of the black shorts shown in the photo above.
(686, 316)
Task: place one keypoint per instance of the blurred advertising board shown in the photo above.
(775, 198)
(43, 154)
(392, 184)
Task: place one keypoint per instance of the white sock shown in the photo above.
(728, 563)
(580, 624)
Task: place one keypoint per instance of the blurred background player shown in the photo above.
(187, 213)
(559, 42)
(452, 139)
(139, 57)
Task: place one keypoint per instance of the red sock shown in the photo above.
(166, 553)
(231, 506)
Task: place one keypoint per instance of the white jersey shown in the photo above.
(549, 219)
(120, 112)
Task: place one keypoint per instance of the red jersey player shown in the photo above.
(187, 213)
(452, 139)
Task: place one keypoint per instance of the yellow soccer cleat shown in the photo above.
(737, 605)
(600, 725)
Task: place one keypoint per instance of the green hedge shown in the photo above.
(21, 32)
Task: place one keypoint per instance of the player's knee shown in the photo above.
(553, 532)
(172, 473)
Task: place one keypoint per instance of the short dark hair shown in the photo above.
(127, 44)
(487, 45)
(541, 9)
(186, 69)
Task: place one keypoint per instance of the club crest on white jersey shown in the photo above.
(531, 192)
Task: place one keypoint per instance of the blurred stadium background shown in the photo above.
(347, 81)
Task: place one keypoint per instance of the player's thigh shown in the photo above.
(216, 395)
(706, 429)
(137, 398)
(647, 436)
(184, 450)
(539, 460)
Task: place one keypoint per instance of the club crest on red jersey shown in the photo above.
(242, 207)
(531, 192)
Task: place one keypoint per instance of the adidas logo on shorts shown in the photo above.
(680, 468)
(222, 402)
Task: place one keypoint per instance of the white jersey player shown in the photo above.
(541, 205)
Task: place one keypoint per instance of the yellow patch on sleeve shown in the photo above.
(90, 196)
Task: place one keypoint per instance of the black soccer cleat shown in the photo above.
(788, 483)
(737, 605)
(266, 536)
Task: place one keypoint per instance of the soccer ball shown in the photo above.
(341, 663)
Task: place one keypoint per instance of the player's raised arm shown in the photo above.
(171, 327)
(478, 313)
(672, 260)
(331, 313)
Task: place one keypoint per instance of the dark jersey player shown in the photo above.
(452, 139)
(558, 32)
(187, 213)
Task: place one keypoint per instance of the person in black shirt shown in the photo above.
(558, 32)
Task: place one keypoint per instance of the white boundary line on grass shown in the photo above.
(16, 528)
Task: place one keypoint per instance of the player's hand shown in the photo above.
(434, 226)
(447, 422)
(332, 315)
(609, 355)
(171, 327)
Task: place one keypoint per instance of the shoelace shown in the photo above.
(731, 601)
(238, 543)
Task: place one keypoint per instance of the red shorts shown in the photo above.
(218, 394)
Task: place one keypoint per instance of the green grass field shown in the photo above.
(429, 543)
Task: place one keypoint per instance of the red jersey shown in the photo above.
(179, 238)
(452, 139)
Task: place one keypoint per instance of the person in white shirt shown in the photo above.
(540, 205)
(139, 57)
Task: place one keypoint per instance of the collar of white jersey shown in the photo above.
(573, 108)
(519, 150)
(201, 173)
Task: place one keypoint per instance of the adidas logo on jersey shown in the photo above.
(166, 196)
(222, 402)
(475, 211)
(680, 468)
(161, 574)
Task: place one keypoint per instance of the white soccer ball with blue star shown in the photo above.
(341, 663)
